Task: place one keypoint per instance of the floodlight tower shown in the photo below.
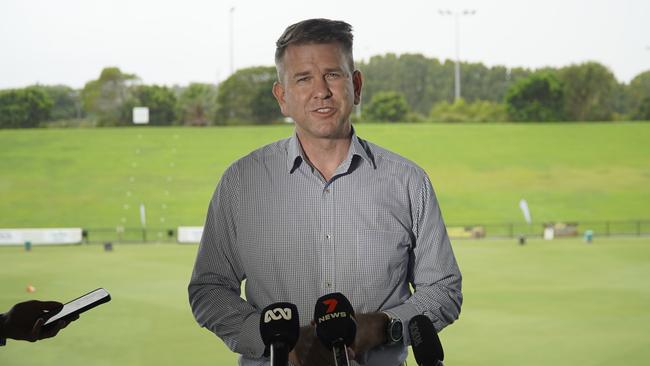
(457, 15)
(232, 41)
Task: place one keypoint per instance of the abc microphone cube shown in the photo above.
(280, 328)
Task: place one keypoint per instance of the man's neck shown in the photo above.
(326, 154)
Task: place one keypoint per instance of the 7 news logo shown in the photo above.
(329, 312)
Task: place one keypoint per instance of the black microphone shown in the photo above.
(335, 325)
(280, 328)
(426, 345)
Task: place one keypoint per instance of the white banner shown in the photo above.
(189, 234)
(40, 236)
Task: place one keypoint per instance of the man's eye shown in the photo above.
(303, 80)
(333, 75)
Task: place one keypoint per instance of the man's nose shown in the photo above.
(322, 89)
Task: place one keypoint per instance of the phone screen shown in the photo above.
(81, 304)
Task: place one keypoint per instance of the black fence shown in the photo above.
(490, 230)
(128, 235)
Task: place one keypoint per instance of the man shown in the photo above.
(323, 211)
(24, 321)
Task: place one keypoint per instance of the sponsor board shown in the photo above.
(40, 236)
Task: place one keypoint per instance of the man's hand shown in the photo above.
(371, 332)
(25, 321)
(309, 351)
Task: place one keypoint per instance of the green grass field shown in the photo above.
(98, 177)
(561, 303)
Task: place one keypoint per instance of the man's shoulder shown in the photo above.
(268, 154)
(387, 159)
(277, 149)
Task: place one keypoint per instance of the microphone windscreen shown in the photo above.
(280, 323)
(334, 318)
(427, 348)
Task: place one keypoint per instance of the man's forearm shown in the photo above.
(371, 331)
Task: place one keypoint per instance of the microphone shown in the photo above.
(335, 325)
(280, 328)
(426, 345)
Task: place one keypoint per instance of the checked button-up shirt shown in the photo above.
(373, 232)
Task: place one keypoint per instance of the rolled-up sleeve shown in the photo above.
(433, 270)
(214, 288)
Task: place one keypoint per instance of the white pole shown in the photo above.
(232, 41)
(457, 15)
(457, 68)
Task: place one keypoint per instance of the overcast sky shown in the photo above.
(182, 41)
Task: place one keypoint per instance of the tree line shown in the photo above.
(408, 87)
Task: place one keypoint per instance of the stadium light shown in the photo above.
(232, 41)
(457, 15)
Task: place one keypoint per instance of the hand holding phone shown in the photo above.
(80, 305)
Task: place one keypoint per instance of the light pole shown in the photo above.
(457, 15)
(232, 41)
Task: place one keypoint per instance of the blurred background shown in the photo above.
(118, 118)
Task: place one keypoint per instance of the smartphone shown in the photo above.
(81, 304)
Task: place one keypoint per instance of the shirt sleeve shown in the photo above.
(215, 287)
(433, 270)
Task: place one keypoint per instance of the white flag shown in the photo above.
(524, 208)
(143, 217)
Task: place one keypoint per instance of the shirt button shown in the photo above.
(328, 284)
(328, 236)
(327, 190)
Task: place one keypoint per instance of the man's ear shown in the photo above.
(278, 93)
(357, 82)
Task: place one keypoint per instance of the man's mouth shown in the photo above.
(324, 110)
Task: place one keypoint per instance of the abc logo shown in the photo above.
(277, 314)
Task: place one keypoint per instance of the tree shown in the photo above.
(539, 97)
(461, 111)
(196, 104)
(426, 81)
(639, 91)
(421, 80)
(24, 108)
(388, 106)
(160, 100)
(246, 97)
(105, 97)
(589, 92)
(66, 102)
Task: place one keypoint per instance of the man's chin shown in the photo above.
(334, 131)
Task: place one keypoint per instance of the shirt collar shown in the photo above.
(358, 147)
(294, 153)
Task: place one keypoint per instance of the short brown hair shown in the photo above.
(315, 31)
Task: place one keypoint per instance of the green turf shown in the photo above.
(98, 177)
(560, 303)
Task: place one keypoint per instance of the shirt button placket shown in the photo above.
(329, 266)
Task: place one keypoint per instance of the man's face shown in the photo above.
(318, 90)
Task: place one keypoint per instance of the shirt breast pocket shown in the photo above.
(382, 259)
